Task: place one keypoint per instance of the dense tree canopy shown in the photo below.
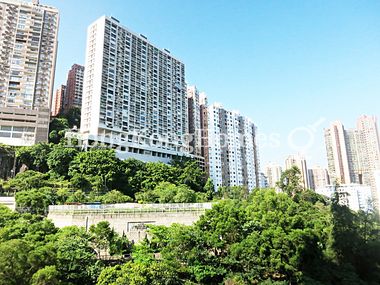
(248, 237)
(58, 127)
(98, 175)
(259, 238)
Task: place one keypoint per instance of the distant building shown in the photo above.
(369, 153)
(194, 119)
(203, 106)
(232, 149)
(57, 103)
(74, 88)
(337, 154)
(355, 196)
(273, 173)
(263, 181)
(300, 162)
(28, 49)
(354, 155)
(318, 177)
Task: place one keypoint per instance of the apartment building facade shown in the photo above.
(273, 173)
(134, 94)
(354, 155)
(318, 177)
(57, 102)
(28, 47)
(74, 88)
(194, 119)
(232, 149)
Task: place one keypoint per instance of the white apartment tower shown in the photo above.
(28, 47)
(273, 173)
(232, 149)
(134, 94)
(300, 162)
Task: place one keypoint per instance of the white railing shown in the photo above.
(129, 208)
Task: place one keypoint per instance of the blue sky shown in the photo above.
(291, 66)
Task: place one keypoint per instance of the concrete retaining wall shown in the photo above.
(131, 223)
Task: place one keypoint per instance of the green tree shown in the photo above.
(75, 256)
(269, 235)
(29, 180)
(100, 168)
(155, 173)
(59, 159)
(184, 195)
(155, 273)
(77, 197)
(36, 201)
(57, 129)
(290, 182)
(166, 192)
(73, 117)
(209, 189)
(14, 266)
(109, 275)
(114, 197)
(7, 216)
(233, 192)
(34, 157)
(46, 276)
(135, 174)
(102, 236)
(189, 173)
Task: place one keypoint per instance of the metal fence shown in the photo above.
(129, 208)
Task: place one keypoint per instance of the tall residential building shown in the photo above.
(369, 152)
(337, 155)
(134, 95)
(318, 177)
(273, 173)
(28, 47)
(203, 106)
(57, 102)
(74, 88)
(355, 156)
(194, 119)
(232, 149)
(300, 162)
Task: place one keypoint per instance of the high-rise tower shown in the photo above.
(134, 95)
(232, 149)
(354, 155)
(28, 46)
(74, 88)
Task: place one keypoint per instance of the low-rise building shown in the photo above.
(355, 196)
